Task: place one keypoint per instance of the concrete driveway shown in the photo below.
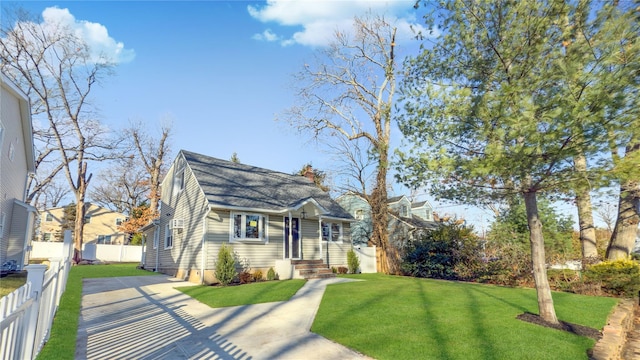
(144, 317)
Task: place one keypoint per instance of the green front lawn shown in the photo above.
(62, 343)
(247, 294)
(11, 282)
(389, 317)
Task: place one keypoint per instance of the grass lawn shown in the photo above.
(388, 317)
(11, 282)
(62, 342)
(255, 293)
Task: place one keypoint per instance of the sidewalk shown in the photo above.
(145, 318)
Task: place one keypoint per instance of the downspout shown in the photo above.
(320, 235)
(204, 238)
(157, 231)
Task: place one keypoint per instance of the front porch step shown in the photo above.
(312, 269)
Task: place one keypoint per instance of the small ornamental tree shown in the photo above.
(226, 265)
(352, 261)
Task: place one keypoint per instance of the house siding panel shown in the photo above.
(13, 171)
(190, 205)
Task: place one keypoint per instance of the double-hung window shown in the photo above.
(104, 239)
(248, 227)
(168, 237)
(331, 231)
(156, 237)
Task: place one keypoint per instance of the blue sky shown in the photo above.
(220, 70)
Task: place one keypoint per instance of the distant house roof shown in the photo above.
(394, 199)
(416, 222)
(418, 204)
(233, 185)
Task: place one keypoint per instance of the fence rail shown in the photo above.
(27, 313)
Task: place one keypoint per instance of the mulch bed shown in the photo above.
(563, 326)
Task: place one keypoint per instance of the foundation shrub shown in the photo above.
(245, 277)
(226, 265)
(342, 270)
(257, 275)
(271, 274)
(352, 261)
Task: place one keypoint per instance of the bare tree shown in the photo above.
(151, 152)
(54, 193)
(122, 187)
(354, 79)
(355, 167)
(607, 212)
(55, 68)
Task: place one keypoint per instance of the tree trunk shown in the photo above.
(585, 214)
(380, 216)
(625, 231)
(545, 301)
(80, 193)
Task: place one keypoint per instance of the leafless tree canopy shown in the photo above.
(345, 99)
(56, 70)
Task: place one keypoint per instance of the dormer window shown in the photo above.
(404, 211)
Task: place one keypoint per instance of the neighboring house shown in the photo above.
(407, 220)
(100, 225)
(16, 165)
(207, 202)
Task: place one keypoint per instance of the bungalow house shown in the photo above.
(16, 165)
(270, 219)
(407, 220)
(100, 225)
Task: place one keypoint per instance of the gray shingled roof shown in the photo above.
(235, 185)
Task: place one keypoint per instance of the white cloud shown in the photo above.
(317, 20)
(267, 35)
(95, 35)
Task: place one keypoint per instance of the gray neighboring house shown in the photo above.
(271, 219)
(17, 163)
(407, 220)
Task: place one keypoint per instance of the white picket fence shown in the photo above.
(102, 252)
(26, 314)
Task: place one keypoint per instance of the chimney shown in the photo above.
(308, 173)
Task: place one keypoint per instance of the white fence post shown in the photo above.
(35, 275)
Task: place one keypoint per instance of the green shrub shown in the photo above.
(271, 274)
(353, 261)
(442, 252)
(257, 275)
(617, 278)
(334, 270)
(226, 265)
(342, 270)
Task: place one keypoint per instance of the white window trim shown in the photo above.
(340, 237)
(168, 232)
(263, 228)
